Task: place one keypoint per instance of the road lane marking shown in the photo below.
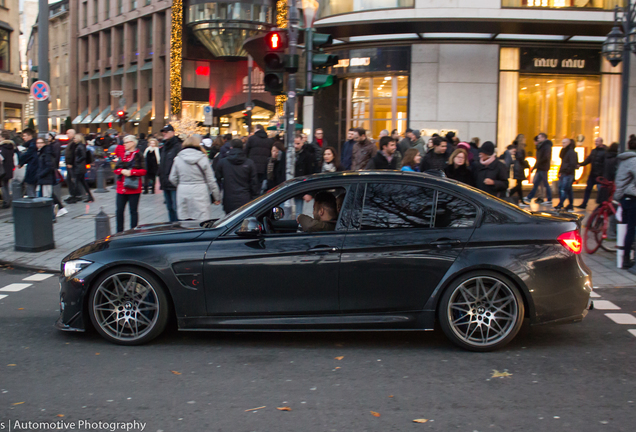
(38, 277)
(592, 294)
(3, 296)
(621, 318)
(633, 332)
(605, 305)
(15, 287)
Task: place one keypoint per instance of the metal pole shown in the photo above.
(250, 68)
(292, 30)
(43, 64)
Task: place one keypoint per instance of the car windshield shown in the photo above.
(236, 214)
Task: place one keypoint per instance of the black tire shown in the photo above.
(477, 314)
(128, 306)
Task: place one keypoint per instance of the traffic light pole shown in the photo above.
(43, 65)
(290, 126)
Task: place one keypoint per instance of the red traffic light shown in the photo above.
(121, 113)
(276, 41)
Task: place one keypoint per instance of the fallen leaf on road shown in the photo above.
(283, 408)
(10, 365)
(497, 374)
(420, 421)
(375, 414)
(176, 373)
(20, 308)
(390, 395)
(60, 415)
(254, 409)
(17, 403)
(96, 353)
(339, 358)
(337, 367)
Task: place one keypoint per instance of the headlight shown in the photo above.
(74, 266)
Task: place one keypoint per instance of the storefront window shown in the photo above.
(378, 103)
(590, 4)
(335, 7)
(12, 117)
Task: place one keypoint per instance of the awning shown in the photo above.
(5, 25)
(79, 118)
(100, 118)
(132, 69)
(147, 66)
(119, 71)
(87, 119)
(142, 113)
(95, 76)
(85, 78)
(106, 74)
(110, 118)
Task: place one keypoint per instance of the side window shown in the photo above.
(454, 212)
(391, 206)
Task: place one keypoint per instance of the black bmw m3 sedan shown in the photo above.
(405, 251)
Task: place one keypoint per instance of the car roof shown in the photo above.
(375, 174)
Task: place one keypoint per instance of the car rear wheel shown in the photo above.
(482, 311)
(128, 306)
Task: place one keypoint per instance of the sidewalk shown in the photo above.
(77, 228)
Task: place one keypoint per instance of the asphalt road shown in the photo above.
(579, 377)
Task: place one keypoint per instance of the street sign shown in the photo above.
(40, 91)
(116, 93)
(207, 115)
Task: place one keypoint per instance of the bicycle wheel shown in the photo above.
(608, 234)
(592, 233)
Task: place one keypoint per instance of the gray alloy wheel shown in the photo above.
(128, 307)
(481, 311)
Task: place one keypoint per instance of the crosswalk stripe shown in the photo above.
(592, 294)
(632, 331)
(15, 287)
(3, 296)
(621, 318)
(605, 305)
(38, 277)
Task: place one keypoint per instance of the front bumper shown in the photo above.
(73, 292)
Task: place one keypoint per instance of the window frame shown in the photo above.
(355, 226)
(7, 68)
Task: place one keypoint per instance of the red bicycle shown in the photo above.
(596, 227)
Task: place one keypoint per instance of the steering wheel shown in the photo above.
(267, 226)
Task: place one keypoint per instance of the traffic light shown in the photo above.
(122, 116)
(274, 59)
(318, 61)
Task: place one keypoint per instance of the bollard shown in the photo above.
(101, 180)
(621, 228)
(102, 224)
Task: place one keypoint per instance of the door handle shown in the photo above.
(446, 243)
(323, 250)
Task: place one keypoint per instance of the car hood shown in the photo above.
(160, 233)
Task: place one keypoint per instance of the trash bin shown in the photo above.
(33, 224)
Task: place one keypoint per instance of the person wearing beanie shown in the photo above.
(489, 172)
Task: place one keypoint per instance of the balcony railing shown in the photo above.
(564, 4)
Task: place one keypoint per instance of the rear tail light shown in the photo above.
(572, 241)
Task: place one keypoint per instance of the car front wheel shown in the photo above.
(482, 311)
(128, 306)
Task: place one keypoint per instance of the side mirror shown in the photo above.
(250, 228)
(278, 213)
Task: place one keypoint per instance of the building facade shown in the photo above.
(13, 95)
(28, 16)
(490, 69)
(59, 62)
(124, 47)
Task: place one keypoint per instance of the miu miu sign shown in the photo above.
(554, 63)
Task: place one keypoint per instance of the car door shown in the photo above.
(405, 240)
(275, 274)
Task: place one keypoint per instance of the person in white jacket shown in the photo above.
(192, 175)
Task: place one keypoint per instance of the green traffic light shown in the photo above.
(320, 81)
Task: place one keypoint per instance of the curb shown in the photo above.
(28, 267)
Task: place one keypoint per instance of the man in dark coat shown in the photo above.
(597, 159)
(30, 159)
(7, 150)
(259, 150)
(319, 144)
(347, 151)
(544, 157)
(223, 151)
(490, 173)
(69, 157)
(436, 158)
(305, 161)
(385, 158)
(239, 178)
(363, 150)
(171, 147)
(406, 143)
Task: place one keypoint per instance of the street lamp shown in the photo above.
(616, 49)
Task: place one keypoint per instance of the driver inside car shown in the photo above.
(325, 214)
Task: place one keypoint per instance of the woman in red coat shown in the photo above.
(129, 171)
